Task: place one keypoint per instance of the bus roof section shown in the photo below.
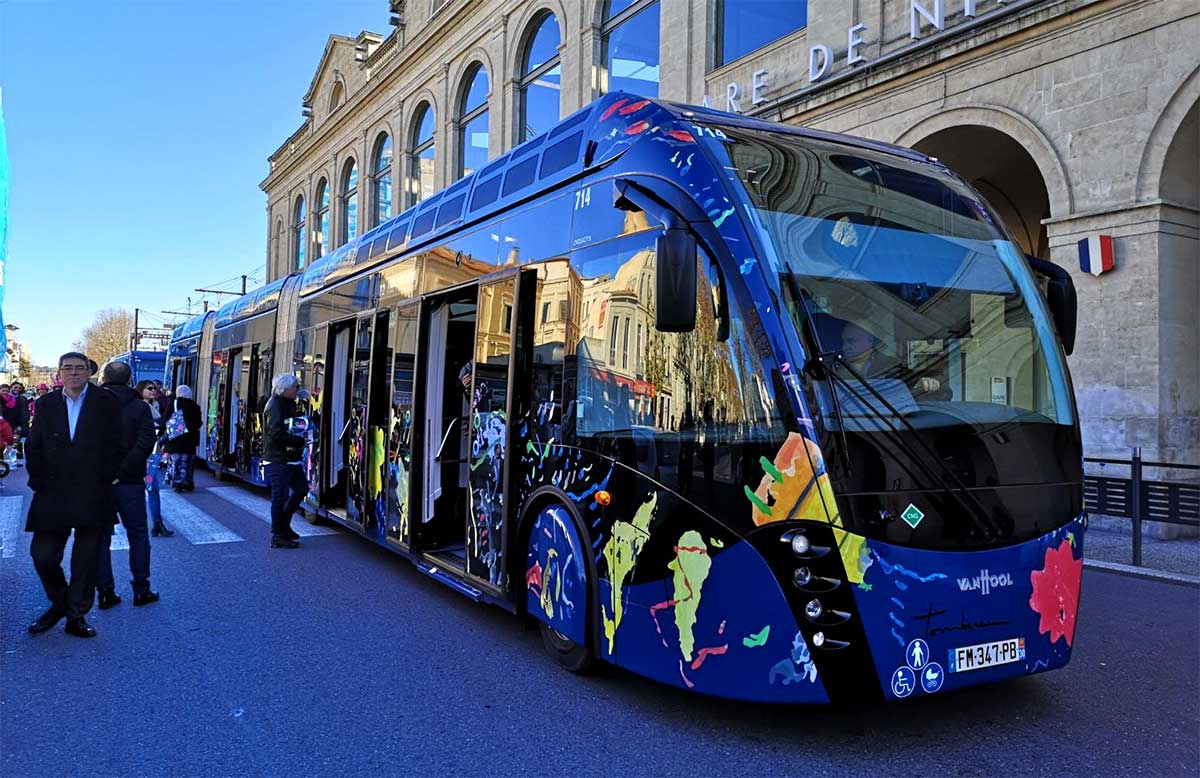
(191, 327)
(584, 141)
(250, 304)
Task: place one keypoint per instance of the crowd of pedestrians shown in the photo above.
(96, 454)
(99, 453)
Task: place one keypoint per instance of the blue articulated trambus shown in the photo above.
(752, 410)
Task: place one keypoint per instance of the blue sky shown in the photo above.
(138, 133)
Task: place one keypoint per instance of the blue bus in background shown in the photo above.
(757, 411)
(146, 365)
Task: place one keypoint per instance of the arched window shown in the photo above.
(473, 122)
(421, 154)
(381, 180)
(630, 35)
(541, 78)
(349, 198)
(336, 95)
(299, 235)
(321, 220)
(278, 250)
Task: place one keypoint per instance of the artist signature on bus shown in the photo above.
(965, 623)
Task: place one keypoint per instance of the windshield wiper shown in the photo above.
(960, 494)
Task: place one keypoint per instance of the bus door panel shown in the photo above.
(375, 475)
(246, 409)
(357, 436)
(232, 417)
(337, 416)
(401, 356)
(489, 433)
(316, 346)
(449, 350)
(215, 405)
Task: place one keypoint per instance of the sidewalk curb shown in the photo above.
(1141, 572)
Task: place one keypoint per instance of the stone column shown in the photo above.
(447, 144)
(501, 134)
(675, 47)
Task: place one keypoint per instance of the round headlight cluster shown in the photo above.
(800, 544)
(814, 609)
(802, 576)
(819, 639)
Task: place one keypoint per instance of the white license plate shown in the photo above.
(981, 655)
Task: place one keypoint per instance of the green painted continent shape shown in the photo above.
(691, 566)
(620, 554)
(759, 639)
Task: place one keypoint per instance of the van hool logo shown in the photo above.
(985, 582)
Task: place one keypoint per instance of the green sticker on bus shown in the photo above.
(912, 515)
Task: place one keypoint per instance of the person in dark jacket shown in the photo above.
(183, 448)
(74, 450)
(129, 492)
(283, 455)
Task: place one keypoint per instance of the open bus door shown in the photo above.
(468, 354)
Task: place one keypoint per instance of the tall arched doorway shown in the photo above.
(1179, 294)
(1003, 172)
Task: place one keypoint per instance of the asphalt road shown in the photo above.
(341, 659)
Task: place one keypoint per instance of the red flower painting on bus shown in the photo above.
(1055, 595)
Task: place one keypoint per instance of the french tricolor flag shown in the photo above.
(1096, 254)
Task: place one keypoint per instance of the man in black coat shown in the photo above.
(72, 456)
(129, 492)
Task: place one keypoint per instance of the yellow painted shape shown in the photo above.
(691, 565)
(621, 552)
(375, 463)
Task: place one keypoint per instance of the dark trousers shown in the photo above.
(288, 484)
(182, 471)
(74, 599)
(131, 507)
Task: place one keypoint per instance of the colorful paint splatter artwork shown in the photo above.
(1055, 595)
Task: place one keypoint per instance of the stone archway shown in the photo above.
(1179, 293)
(1006, 175)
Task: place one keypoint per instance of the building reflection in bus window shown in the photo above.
(526, 236)
(690, 410)
(556, 318)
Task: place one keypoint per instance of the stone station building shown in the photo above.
(1074, 118)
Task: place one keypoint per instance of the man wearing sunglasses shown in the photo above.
(72, 456)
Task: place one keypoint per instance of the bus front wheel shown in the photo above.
(557, 586)
(569, 654)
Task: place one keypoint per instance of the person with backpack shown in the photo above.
(184, 421)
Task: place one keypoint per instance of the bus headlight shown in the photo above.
(819, 639)
(802, 576)
(800, 544)
(814, 609)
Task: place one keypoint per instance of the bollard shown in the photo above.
(1135, 478)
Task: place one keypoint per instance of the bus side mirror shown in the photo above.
(1060, 296)
(675, 281)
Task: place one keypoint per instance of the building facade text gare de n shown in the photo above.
(1074, 118)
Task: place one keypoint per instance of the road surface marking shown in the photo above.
(260, 507)
(194, 524)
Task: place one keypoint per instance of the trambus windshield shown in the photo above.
(905, 276)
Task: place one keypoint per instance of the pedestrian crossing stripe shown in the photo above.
(11, 524)
(194, 524)
(261, 508)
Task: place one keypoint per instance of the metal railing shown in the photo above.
(1139, 499)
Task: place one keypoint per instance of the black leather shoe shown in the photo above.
(160, 530)
(108, 598)
(293, 534)
(47, 620)
(144, 599)
(79, 627)
(283, 542)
